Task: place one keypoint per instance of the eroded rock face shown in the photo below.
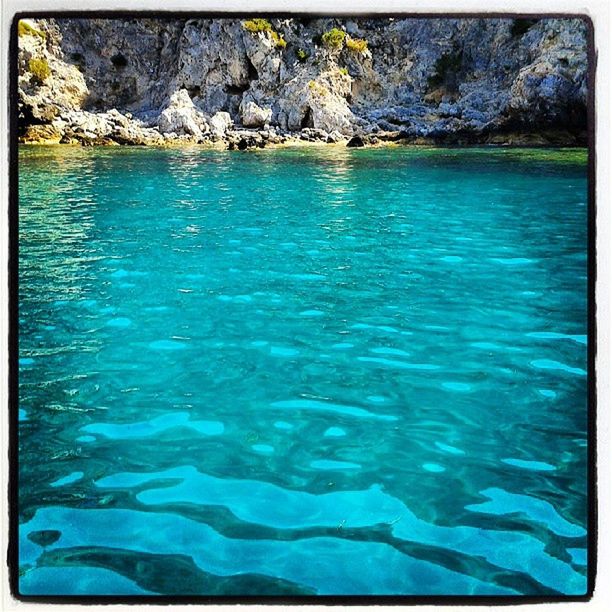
(43, 134)
(48, 86)
(191, 80)
(318, 100)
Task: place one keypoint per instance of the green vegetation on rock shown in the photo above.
(356, 45)
(334, 38)
(528, 92)
(257, 25)
(278, 40)
(39, 68)
(25, 29)
(317, 89)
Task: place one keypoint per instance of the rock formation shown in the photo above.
(249, 82)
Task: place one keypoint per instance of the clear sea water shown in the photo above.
(304, 371)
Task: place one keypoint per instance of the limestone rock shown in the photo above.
(317, 103)
(181, 117)
(253, 115)
(335, 136)
(46, 97)
(134, 80)
(42, 134)
(542, 92)
(219, 123)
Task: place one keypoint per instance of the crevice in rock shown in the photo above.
(119, 60)
(25, 118)
(77, 57)
(307, 121)
(79, 60)
(236, 90)
(252, 71)
(194, 91)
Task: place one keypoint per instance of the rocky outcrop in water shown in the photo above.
(243, 83)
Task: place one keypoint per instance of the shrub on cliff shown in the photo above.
(278, 40)
(25, 29)
(302, 55)
(334, 38)
(356, 45)
(257, 25)
(39, 68)
(317, 89)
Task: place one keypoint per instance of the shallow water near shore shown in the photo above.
(302, 371)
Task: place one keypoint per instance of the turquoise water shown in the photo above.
(303, 371)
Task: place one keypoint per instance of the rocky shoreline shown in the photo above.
(243, 84)
(133, 133)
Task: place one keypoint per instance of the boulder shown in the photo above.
(319, 103)
(253, 115)
(91, 125)
(42, 134)
(243, 140)
(335, 136)
(219, 124)
(181, 116)
(117, 118)
(356, 141)
(543, 92)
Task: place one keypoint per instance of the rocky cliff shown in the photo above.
(248, 82)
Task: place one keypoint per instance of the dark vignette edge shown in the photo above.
(13, 338)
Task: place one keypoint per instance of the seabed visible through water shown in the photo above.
(302, 371)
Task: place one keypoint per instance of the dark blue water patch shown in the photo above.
(306, 562)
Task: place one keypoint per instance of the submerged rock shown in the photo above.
(45, 537)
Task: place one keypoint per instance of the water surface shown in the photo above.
(303, 371)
